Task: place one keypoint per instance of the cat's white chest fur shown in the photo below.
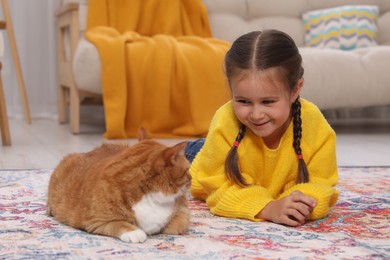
(153, 211)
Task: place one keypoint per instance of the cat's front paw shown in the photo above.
(136, 236)
(179, 224)
(175, 230)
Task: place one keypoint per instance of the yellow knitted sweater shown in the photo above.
(271, 173)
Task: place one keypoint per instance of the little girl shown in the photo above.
(269, 154)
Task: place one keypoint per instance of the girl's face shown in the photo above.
(262, 102)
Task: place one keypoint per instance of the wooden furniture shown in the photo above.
(4, 128)
(68, 93)
(14, 51)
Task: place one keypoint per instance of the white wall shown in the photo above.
(34, 28)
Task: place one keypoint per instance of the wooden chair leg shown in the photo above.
(74, 110)
(62, 104)
(67, 21)
(15, 56)
(4, 127)
(69, 96)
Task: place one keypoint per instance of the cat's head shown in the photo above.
(169, 166)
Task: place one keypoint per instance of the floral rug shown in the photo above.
(357, 228)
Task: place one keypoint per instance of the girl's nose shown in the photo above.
(257, 113)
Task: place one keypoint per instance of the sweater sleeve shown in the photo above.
(210, 183)
(321, 162)
(222, 197)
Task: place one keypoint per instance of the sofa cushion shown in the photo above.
(336, 78)
(87, 67)
(344, 27)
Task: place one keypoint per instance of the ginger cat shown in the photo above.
(127, 192)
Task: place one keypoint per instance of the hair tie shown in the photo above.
(236, 143)
(299, 156)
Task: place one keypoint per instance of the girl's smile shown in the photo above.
(260, 124)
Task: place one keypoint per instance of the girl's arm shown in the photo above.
(322, 166)
(210, 183)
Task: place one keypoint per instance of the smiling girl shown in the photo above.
(269, 154)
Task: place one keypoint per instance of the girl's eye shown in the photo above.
(243, 101)
(267, 102)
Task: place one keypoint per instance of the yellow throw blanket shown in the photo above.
(168, 83)
(150, 17)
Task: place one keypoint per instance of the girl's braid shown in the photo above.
(232, 168)
(303, 174)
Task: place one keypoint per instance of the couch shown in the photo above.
(334, 78)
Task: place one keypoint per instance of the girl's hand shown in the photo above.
(292, 210)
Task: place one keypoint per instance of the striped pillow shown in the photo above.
(345, 27)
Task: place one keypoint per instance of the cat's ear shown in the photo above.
(142, 134)
(172, 154)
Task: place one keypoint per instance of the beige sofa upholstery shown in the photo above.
(333, 78)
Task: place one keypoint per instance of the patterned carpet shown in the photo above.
(358, 228)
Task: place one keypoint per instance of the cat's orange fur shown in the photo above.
(103, 190)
